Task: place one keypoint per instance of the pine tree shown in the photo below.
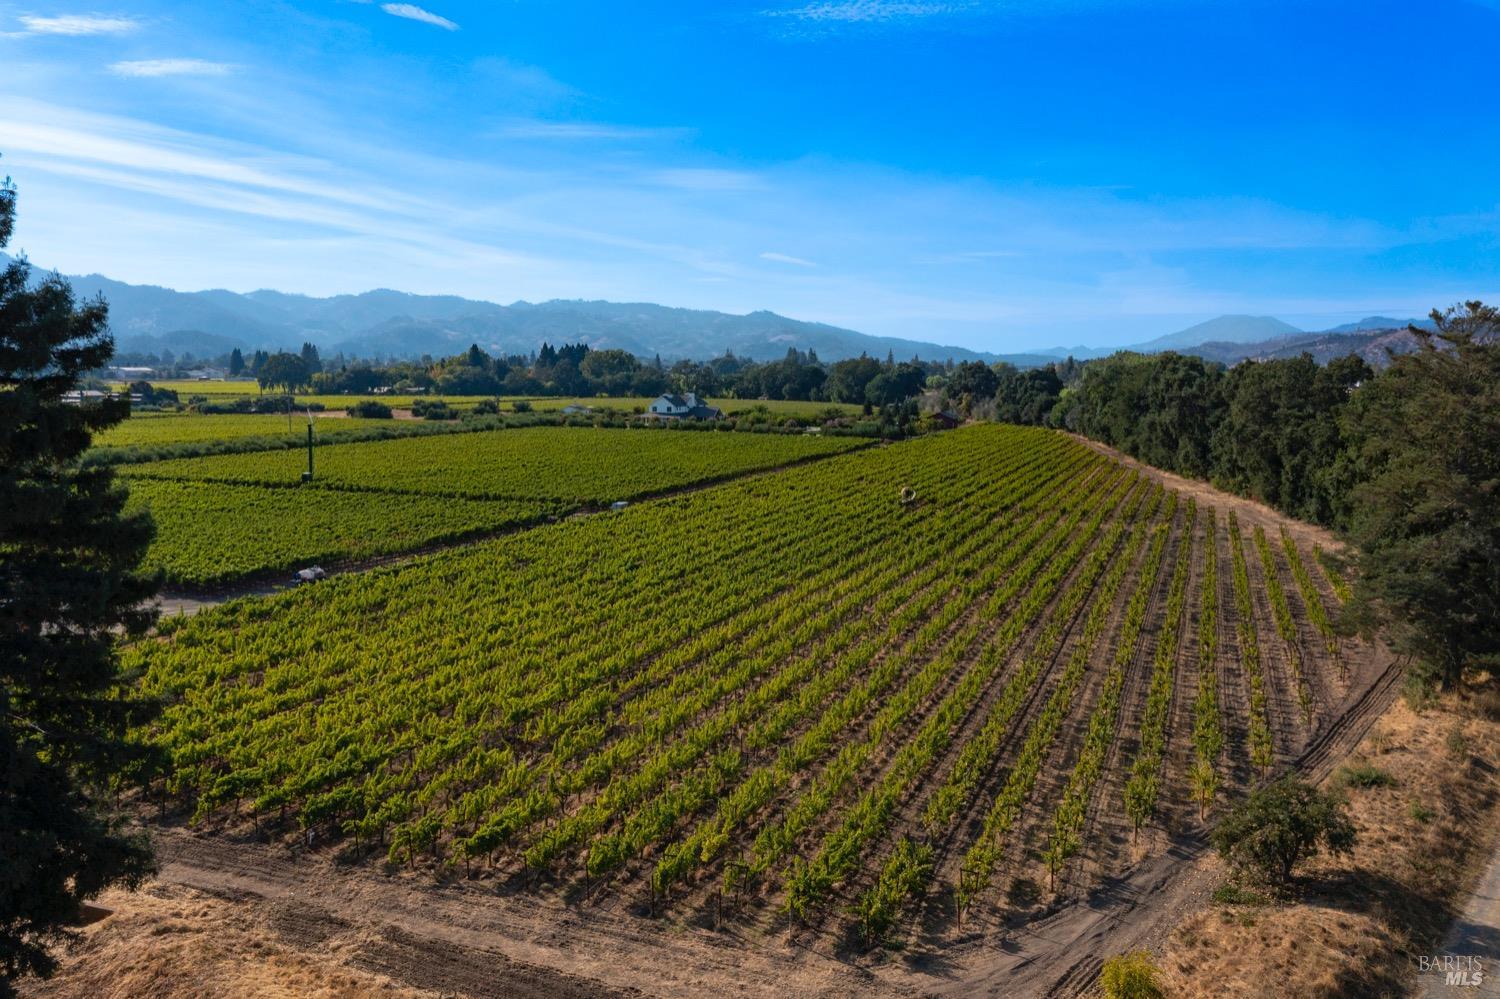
(236, 362)
(69, 579)
(1425, 436)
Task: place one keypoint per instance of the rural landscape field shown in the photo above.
(774, 499)
(878, 717)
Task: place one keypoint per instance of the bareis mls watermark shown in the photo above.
(1459, 970)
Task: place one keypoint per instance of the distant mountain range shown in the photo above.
(394, 324)
(1373, 344)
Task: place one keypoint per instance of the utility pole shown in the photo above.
(308, 475)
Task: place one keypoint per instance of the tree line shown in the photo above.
(579, 370)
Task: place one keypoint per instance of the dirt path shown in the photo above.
(1476, 934)
(463, 939)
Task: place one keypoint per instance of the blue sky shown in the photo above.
(994, 175)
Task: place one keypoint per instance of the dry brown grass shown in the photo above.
(1359, 919)
(173, 941)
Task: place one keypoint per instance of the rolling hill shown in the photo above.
(391, 324)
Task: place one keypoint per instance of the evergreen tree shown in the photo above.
(310, 359)
(1425, 515)
(236, 363)
(69, 579)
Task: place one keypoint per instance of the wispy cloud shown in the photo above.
(169, 67)
(856, 11)
(77, 24)
(412, 12)
(783, 258)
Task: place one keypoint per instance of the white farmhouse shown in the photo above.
(687, 406)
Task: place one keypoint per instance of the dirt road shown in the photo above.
(1475, 936)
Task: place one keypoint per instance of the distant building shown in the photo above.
(131, 374)
(688, 406)
(573, 409)
(77, 397)
(947, 419)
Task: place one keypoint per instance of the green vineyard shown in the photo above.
(224, 518)
(210, 533)
(556, 464)
(795, 696)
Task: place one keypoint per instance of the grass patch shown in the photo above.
(1364, 775)
(1233, 894)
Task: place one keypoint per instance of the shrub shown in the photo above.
(1131, 976)
(1363, 774)
(434, 409)
(521, 406)
(1232, 894)
(1421, 812)
(1457, 742)
(369, 409)
(1281, 824)
(1419, 690)
(486, 407)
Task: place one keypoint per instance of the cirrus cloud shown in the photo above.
(855, 11)
(783, 258)
(78, 24)
(412, 12)
(169, 67)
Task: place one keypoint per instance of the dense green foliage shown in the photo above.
(1131, 976)
(1269, 430)
(1426, 512)
(68, 582)
(579, 370)
(1280, 825)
